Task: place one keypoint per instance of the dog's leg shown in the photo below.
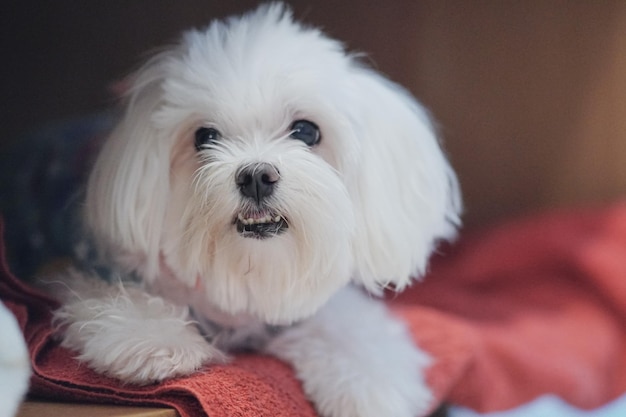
(355, 360)
(125, 333)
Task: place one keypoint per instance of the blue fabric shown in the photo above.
(42, 176)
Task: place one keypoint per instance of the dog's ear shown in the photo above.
(405, 193)
(128, 187)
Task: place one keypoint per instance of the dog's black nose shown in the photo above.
(257, 181)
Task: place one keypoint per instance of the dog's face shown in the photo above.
(260, 164)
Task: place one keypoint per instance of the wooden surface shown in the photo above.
(33, 408)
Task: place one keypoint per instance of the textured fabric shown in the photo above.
(529, 307)
(42, 176)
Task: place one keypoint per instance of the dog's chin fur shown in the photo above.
(366, 205)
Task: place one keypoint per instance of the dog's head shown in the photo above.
(262, 164)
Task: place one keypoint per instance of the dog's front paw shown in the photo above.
(350, 392)
(355, 360)
(135, 338)
(140, 357)
(347, 388)
(398, 396)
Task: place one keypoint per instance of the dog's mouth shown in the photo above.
(260, 224)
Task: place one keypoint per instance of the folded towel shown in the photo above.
(529, 307)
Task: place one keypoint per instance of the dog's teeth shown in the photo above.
(251, 220)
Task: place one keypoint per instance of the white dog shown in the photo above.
(261, 184)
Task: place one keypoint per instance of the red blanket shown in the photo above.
(526, 308)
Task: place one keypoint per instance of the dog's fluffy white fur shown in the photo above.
(14, 364)
(342, 218)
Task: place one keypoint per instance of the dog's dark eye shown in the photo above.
(205, 136)
(306, 131)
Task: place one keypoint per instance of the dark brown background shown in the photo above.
(531, 95)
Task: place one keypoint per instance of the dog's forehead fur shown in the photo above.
(261, 70)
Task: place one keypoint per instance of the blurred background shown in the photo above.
(530, 96)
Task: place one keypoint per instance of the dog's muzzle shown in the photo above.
(256, 183)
